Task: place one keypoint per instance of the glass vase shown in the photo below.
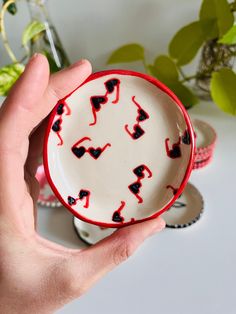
(48, 41)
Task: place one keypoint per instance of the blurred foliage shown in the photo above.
(8, 75)
(33, 33)
(215, 23)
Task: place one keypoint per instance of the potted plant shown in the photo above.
(215, 33)
(38, 36)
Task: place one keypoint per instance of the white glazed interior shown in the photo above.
(108, 177)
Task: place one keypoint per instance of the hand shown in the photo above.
(36, 275)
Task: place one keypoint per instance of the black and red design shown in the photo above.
(56, 127)
(97, 101)
(116, 217)
(135, 186)
(98, 79)
(177, 204)
(81, 150)
(186, 138)
(82, 194)
(175, 151)
(60, 109)
(142, 116)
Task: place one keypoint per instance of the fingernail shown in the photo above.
(159, 226)
(35, 55)
(78, 63)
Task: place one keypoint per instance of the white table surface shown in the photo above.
(188, 271)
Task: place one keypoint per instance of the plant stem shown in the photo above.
(3, 32)
(232, 6)
(189, 78)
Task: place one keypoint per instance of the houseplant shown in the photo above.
(215, 33)
(38, 36)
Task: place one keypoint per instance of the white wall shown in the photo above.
(92, 29)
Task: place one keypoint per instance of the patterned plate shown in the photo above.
(206, 137)
(205, 143)
(119, 149)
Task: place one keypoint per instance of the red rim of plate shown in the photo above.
(166, 90)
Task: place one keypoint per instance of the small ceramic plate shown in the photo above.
(205, 137)
(90, 234)
(186, 210)
(46, 196)
(205, 143)
(119, 149)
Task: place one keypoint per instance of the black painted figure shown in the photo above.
(135, 186)
(110, 87)
(141, 117)
(82, 194)
(116, 217)
(137, 131)
(175, 151)
(56, 127)
(97, 101)
(186, 139)
(81, 150)
(61, 107)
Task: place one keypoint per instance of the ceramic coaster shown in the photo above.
(205, 142)
(90, 234)
(46, 195)
(205, 137)
(115, 146)
(186, 210)
(203, 156)
(202, 163)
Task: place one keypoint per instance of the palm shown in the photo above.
(36, 274)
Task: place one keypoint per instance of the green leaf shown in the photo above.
(186, 43)
(127, 53)
(165, 69)
(210, 28)
(11, 8)
(8, 75)
(171, 80)
(223, 90)
(31, 30)
(52, 64)
(216, 18)
(230, 37)
(185, 95)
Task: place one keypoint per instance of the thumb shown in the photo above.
(91, 264)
